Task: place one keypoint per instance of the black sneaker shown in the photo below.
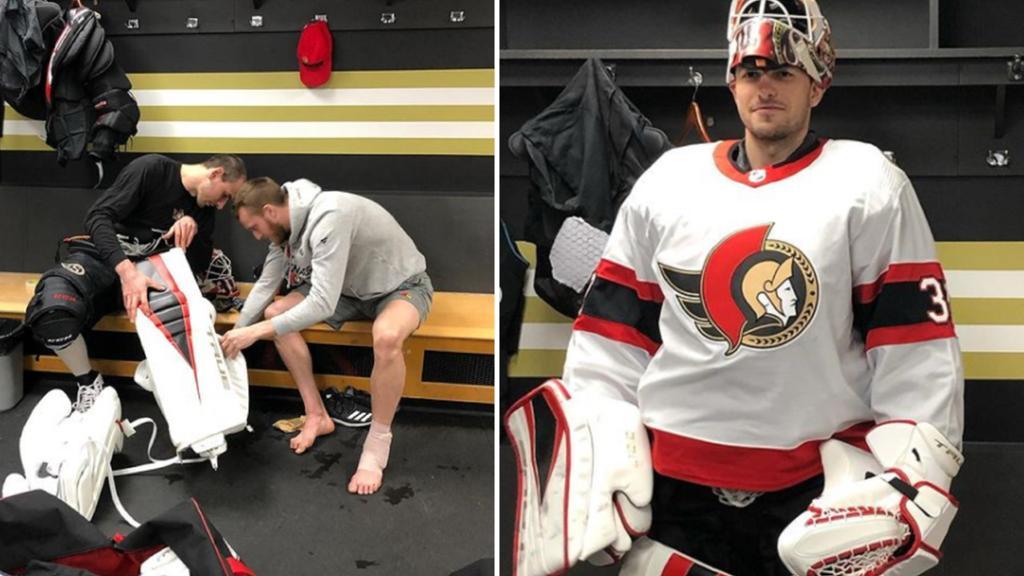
(349, 408)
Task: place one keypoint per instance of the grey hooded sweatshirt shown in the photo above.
(340, 244)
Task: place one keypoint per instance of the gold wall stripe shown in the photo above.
(383, 146)
(536, 364)
(537, 311)
(991, 311)
(528, 250)
(981, 255)
(993, 366)
(470, 78)
(309, 114)
(977, 365)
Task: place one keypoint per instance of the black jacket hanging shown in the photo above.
(87, 93)
(585, 152)
(22, 49)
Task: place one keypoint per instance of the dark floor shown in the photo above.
(287, 514)
(982, 541)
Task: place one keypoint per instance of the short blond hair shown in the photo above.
(257, 193)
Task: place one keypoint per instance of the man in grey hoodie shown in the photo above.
(341, 257)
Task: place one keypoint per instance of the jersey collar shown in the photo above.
(802, 158)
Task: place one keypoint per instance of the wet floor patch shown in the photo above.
(396, 495)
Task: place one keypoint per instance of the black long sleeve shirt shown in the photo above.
(144, 201)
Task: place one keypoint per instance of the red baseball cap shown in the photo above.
(314, 52)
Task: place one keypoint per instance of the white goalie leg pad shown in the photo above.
(597, 496)
(67, 453)
(203, 395)
(652, 558)
(886, 517)
(87, 460)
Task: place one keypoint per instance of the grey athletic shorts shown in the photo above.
(417, 291)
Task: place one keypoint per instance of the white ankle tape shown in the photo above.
(376, 449)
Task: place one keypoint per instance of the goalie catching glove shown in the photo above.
(886, 515)
(597, 494)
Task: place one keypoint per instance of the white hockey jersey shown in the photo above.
(752, 316)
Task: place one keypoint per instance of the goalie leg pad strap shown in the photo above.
(652, 558)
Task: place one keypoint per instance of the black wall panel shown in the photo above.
(607, 24)
(169, 16)
(275, 51)
(980, 23)
(455, 232)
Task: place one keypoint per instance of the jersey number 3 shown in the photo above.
(933, 287)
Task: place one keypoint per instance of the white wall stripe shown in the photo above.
(289, 129)
(991, 338)
(985, 283)
(531, 273)
(545, 336)
(25, 128)
(332, 97)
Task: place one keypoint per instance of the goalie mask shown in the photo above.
(218, 283)
(783, 32)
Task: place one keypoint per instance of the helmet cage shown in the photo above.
(787, 32)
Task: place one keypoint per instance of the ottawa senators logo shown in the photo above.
(752, 291)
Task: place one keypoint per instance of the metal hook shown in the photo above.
(320, 17)
(695, 79)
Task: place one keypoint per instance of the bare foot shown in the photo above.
(314, 426)
(365, 481)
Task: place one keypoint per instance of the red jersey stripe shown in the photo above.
(908, 334)
(616, 331)
(908, 272)
(614, 272)
(743, 467)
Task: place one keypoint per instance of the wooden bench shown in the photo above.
(460, 327)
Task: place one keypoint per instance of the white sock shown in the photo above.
(76, 357)
(376, 448)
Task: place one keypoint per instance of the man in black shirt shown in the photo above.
(155, 203)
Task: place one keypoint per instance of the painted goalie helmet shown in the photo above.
(218, 284)
(785, 32)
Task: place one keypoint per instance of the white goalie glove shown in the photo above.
(596, 498)
(881, 515)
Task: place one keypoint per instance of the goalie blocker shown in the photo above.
(596, 497)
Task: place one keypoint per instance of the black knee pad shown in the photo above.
(63, 302)
(57, 312)
(56, 329)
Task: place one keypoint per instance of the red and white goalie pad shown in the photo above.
(597, 492)
(202, 394)
(881, 515)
